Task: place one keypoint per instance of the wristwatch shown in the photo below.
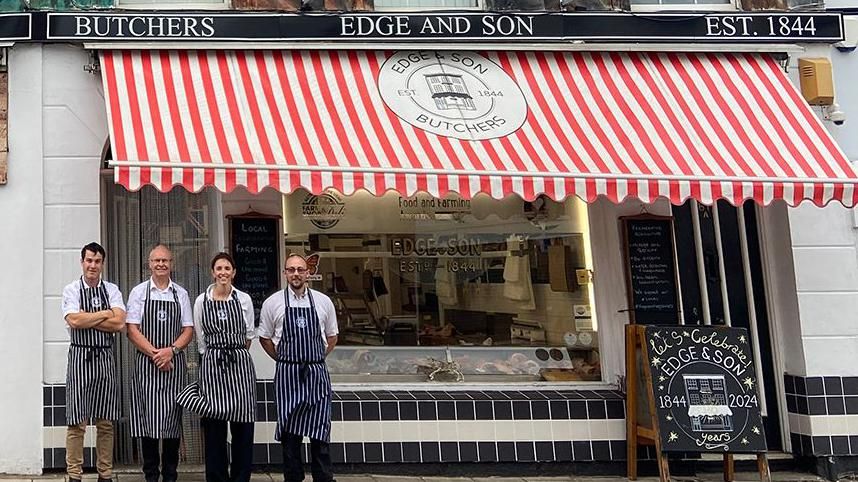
(175, 350)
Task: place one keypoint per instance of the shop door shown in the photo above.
(721, 285)
(136, 222)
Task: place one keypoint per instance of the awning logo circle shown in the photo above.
(463, 95)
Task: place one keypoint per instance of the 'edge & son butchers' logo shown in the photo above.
(463, 95)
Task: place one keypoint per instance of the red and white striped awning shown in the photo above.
(647, 125)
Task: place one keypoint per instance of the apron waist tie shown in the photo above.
(305, 366)
(226, 355)
(92, 351)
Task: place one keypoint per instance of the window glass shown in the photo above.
(487, 289)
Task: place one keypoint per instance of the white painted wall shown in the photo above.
(74, 132)
(22, 241)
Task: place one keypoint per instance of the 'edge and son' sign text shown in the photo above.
(448, 26)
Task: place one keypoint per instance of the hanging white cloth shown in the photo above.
(516, 275)
(445, 285)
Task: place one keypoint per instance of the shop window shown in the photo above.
(482, 289)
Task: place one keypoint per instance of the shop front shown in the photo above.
(469, 214)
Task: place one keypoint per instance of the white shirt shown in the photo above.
(71, 297)
(137, 299)
(246, 308)
(274, 310)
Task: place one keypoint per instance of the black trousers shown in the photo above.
(160, 458)
(219, 468)
(320, 459)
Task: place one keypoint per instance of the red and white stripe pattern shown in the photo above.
(645, 125)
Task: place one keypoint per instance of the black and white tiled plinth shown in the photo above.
(431, 426)
(823, 415)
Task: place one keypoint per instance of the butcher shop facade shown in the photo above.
(486, 221)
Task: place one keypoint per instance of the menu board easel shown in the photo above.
(706, 396)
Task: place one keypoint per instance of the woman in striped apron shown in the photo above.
(226, 390)
(94, 311)
(304, 320)
(160, 325)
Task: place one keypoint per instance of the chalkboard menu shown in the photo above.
(254, 244)
(705, 389)
(651, 271)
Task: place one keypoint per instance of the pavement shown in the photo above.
(198, 476)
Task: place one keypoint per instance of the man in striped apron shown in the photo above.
(94, 311)
(160, 325)
(298, 328)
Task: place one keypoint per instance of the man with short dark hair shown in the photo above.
(298, 328)
(93, 311)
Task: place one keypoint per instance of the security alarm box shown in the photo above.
(817, 85)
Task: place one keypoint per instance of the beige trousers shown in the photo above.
(103, 449)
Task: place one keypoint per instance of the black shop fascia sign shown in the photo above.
(428, 28)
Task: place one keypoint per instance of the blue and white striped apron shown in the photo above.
(301, 382)
(226, 388)
(154, 411)
(92, 391)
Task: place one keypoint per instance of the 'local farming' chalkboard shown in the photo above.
(254, 243)
(705, 389)
(651, 270)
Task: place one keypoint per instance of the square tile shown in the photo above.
(852, 405)
(539, 410)
(369, 411)
(814, 386)
(800, 386)
(503, 410)
(850, 385)
(821, 445)
(581, 450)
(789, 384)
(563, 451)
(336, 411)
(260, 453)
(47, 417)
(596, 410)
(487, 451)
(446, 410)
(354, 453)
(411, 451)
(269, 391)
(449, 451)
(372, 452)
(506, 452)
(616, 408)
(478, 395)
(816, 406)
(351, 412)
(440, 395)
(60, 399)
(403, 395)
(832, 385)
(578, 410)
(430, 451)
(544, 451)
(601, 450)
(427, 410)
(619, 450)
(407, 410)
(795, 442)
(365, 396)
(806, 444)
(48, 396)
(271, 408)
(835, 405)
(389, 410)
(525, 452)
(840, 445)
(260, 392)
(468, 452)
(792, 405)
(801, 404)
(48, 458)
(521, 410)
(559, 409)
(347, 395)
(465, 410)
(853, 444)
(484, 410)
(384, 395)
(392, 452)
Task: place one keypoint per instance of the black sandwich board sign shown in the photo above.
(650, 270)
(698, 388)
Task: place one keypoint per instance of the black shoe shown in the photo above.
(101, 479)
(72, 479)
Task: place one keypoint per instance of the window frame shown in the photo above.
(166, 5)
(481, 6)
(733, 6)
